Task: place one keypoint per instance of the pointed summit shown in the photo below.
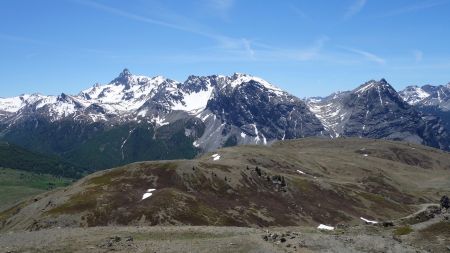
(124, 78)
(372, 84)
(125, 73)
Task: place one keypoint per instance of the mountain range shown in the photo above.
(135, 118)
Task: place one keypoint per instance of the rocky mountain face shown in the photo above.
(376, 110)
(429, 99)
(136, 118)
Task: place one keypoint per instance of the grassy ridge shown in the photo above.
(16, 185)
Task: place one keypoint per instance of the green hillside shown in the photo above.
(97, 146)
(15, 157)
(17, 185)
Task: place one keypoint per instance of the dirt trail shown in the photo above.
(422, 208)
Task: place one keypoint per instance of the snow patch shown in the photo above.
(366, 87)
(142, 113)
(368, 221)
(194, 102)
(301, 172)
(160, 121)
(205, 117)
(379, 95)
(329, 113)
(148, 193)
(325, 227)
(216, 157)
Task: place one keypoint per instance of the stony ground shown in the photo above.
(431, 234)
(139, 239)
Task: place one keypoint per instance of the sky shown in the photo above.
(309, 48)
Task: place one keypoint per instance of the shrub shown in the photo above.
(445, 203)
(403, 230)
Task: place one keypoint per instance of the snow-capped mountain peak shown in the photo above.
(13, 104)
(428, 96)
(414, 94)
(240, 78)
(375, 110)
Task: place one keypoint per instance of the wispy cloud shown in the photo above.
(227, 47)
(23, 39)
(264, 52)
(418, 55)
(311, 52)
(176, 24)
(437, 66)
(53, 45)
(355, 8)
(221, 5)
(367, 55)
(416, 7)
(217, 8)
(299, 12)
(257, 52)
(140, 18)
(248, 47)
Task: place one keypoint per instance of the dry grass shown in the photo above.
(340, 185)
(403, 230)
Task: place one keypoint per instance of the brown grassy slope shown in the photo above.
(344, 179)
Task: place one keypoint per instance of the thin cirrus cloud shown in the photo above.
(261, 53)
(231, 48)
(136, 17)
(355, 8)
(299, 12)
(221, 5)
(218, 8)
(222, 40)
(423, 5)
(53, 45)
(24, 40)
(269, 53)
(366, 55)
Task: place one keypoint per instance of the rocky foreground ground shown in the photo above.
(425, 231)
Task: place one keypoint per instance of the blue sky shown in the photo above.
(309, 48)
